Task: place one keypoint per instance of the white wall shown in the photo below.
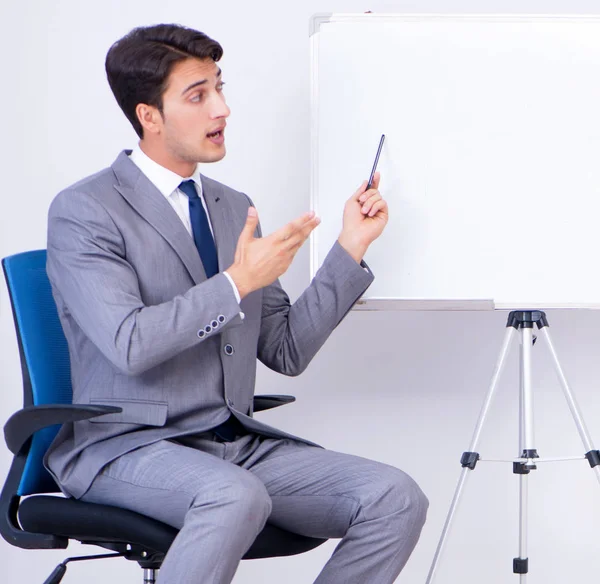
(404, 388)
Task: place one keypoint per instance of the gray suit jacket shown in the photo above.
(132, 297)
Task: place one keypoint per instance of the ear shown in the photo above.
(149, 117)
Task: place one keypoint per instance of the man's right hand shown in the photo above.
(260, 261)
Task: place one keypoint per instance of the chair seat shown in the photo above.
(91, 522)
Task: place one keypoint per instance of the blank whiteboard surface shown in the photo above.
(491, 165)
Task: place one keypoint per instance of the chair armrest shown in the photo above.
(23, 424)
(267, 402)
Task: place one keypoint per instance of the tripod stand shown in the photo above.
(522, 322)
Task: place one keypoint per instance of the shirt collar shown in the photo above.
(165, 180)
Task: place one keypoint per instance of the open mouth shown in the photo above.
(216, 134)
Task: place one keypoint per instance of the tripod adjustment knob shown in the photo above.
(469, 459)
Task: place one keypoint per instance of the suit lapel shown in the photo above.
(221, 216)
(150, 203)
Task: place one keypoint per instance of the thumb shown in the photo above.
(376, 179)
(250, 226)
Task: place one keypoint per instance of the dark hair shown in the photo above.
(139, 64)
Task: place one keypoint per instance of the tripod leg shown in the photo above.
(469, 459)
(591, 454)
(521, 564)
(526, 447)
(523, 486)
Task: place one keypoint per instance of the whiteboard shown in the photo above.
(491, 165)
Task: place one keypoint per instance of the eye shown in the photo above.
(197, 97)
(220, 86)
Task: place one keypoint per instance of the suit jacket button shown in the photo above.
(214, 324)
(201, 334)
(221, 318)
(228, 349)
(207, 329)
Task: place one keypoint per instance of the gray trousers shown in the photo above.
(220, 495)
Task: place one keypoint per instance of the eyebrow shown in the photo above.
(197, 83)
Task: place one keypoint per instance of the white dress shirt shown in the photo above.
(167, 182)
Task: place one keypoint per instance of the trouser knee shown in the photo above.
(242, 502)
(400, 499)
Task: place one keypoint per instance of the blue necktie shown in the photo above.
(202, 236)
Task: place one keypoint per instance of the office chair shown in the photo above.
(32, 519)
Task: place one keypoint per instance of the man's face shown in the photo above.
(194, 112)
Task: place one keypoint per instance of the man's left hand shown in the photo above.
(365, 216)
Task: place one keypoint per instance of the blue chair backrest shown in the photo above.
(44, 355)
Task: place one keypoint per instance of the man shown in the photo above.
(167, 294)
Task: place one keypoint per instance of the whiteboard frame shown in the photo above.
(315, 24)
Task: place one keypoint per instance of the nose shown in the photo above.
(220, 109)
